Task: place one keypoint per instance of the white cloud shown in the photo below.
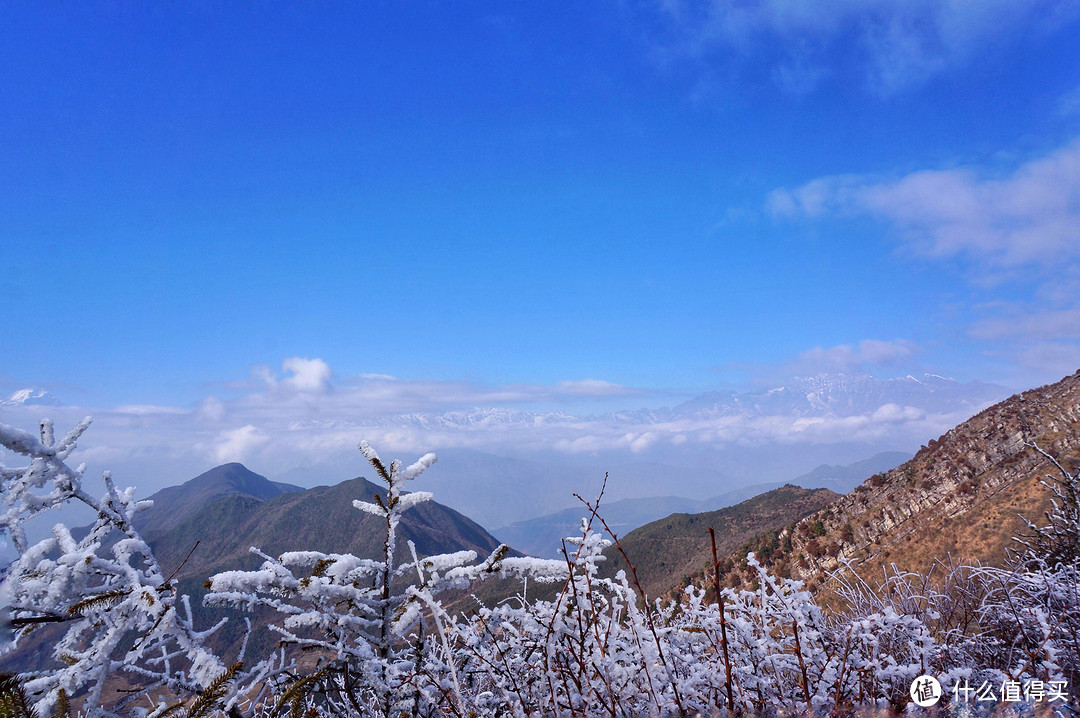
(1020, 228)
(592, 387)
(313, 380)
(1030, 217)
(238, 444)
(262, 374)
(1051, 358)
(897, 44)
(272, 429)
(848, 357)
(834, 194)
(900, 425)
(642, 442)
(1053, 324)
(211, 409)
(272, 442)
(310, 375)
(894, 413)
(147, 410)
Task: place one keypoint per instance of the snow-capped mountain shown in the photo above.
(478, 417)
(30, 397)
(846, 395)
(836, 395)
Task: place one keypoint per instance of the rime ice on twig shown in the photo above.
(371, 619)
(102, 599)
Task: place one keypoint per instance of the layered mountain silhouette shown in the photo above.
(229, 509)
(542, 536)
(843, 479)
(209, 524)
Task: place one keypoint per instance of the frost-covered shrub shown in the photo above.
(1031, 616)
(381, 634)
(590, 651)
(121, 614)
(372, 637)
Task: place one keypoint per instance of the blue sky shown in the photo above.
(534, 204)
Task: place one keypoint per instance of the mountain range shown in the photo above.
(959, 496)
(542, 536)
(843, 395)
(825, 395)
(963, 498)
(30, 397)
(209, 523)
(710, 444)
(502, 465)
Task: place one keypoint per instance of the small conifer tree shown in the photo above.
(364, 617)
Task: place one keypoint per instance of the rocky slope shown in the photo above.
(960, 498)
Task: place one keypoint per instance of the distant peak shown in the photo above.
(30, 396)
(231, 466)
(233, 474)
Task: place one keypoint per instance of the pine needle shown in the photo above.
(320, 568)
(13, 700)
(297, 692)
(101, 600)
(214, 692)
(62, 708)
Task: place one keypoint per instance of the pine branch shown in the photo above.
(13, 700)
(62, 708)
(25, 622)
(214, 692)
(101, 600)
(298, 691)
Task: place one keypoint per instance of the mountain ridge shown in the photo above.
(542, 536)
(679, 544)
(961, 497)
(175, 503)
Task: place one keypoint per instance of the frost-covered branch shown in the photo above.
(118, 612)
(370, 619)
